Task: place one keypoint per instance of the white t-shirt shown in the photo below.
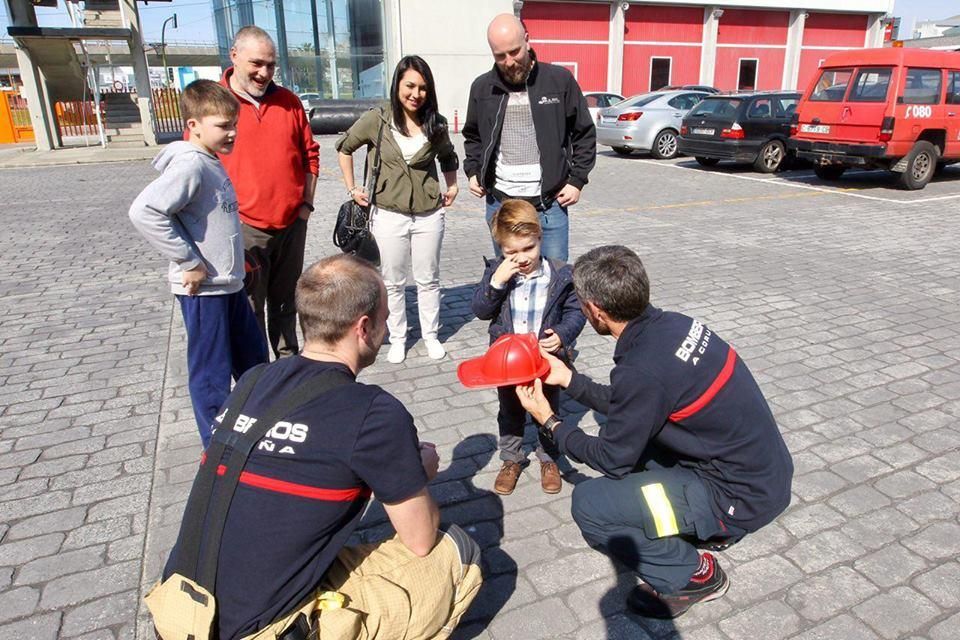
(409, 145)
(518, 158)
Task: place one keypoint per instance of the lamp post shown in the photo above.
(163, 47)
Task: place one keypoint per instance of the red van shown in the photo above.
(896, 109)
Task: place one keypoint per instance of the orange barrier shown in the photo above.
(14, 118)
(77, 118)
(166, 111)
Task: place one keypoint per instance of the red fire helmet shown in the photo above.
(512, 359)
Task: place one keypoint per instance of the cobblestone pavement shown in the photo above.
(843, 306)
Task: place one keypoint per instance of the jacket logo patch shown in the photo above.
(692, 345)
(549, 100)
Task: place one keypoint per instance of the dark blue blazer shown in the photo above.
(562, 313)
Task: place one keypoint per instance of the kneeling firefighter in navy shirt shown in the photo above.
(283, 570)
(691, 454)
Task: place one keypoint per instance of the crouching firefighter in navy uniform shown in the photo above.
(301, 445)
(690, 453)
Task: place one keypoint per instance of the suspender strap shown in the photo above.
(230, 449)
(191, 527)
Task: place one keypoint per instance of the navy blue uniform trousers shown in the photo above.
(223, 341)
(646, 519)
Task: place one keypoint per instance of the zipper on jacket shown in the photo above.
(486, 159)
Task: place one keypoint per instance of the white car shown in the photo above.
(597, 100)
(306, 98)
(647, 122)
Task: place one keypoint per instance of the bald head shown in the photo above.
(508, 44)
(505, 26)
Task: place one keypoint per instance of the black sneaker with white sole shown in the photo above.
(708, 583)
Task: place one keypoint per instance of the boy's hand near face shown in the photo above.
(193, 278)
(552, 342)
(507, 269)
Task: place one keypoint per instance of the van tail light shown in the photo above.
(683, 129)
(886, 129)
(630, 117)
(733, 133)
(794, 124)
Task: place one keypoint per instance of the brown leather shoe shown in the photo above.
(506, 480)
(550, 477)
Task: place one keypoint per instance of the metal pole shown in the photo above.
(163, 47)
(316, 47)
(331, 32)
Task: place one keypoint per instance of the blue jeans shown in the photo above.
(556, 230)
(224, 339)
(617, 516)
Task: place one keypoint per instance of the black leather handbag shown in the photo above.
(351, 233)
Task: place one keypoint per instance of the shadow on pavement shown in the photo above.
(454, 312)
(480, 515)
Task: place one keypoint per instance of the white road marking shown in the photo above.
(787, 183)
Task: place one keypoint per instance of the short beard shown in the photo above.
(599, 326)
(521, 76)
(255, 92)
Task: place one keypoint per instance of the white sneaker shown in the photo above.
(397, 353)
(434, 349)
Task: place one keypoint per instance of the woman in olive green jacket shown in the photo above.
(408, 214)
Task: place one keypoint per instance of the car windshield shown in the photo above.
(717, 107)
(639, 101)
(832, 85)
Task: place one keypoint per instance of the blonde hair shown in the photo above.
(207, 98)
(515, 218)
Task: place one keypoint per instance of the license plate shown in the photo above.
(698, 131)
(815, 128)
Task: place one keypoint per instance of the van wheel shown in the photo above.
(921, 165)
(665, 145)
(622, 151)
(829, 171)
(707, 162)
(770, 157)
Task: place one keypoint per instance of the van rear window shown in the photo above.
(717, 107)
(871, 85)
(832, 85)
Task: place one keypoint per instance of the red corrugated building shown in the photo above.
(638, 46)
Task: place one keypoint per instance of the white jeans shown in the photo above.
(400, 235)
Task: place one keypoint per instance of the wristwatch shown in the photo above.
(549, 425)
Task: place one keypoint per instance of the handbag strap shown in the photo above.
(375, 174)
(217, 480)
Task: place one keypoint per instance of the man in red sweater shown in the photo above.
(273, 167)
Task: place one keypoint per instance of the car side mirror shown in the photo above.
(899, 99)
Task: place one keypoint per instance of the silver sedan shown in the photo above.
(647, 122)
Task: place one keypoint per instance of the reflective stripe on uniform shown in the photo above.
(662, 510)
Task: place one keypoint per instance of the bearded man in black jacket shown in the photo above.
(528, 135)
(690, 452)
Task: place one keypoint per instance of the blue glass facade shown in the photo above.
(331, 47)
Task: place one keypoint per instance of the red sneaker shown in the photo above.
(708, 583)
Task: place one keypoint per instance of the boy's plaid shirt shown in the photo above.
(528, 300)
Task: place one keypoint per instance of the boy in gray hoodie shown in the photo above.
(189, 214)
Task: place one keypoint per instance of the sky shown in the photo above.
(910, 11)
(195, 19)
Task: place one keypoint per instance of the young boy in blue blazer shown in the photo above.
(524, 293)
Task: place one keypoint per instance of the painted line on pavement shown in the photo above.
(787, 183)
(593, 211)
